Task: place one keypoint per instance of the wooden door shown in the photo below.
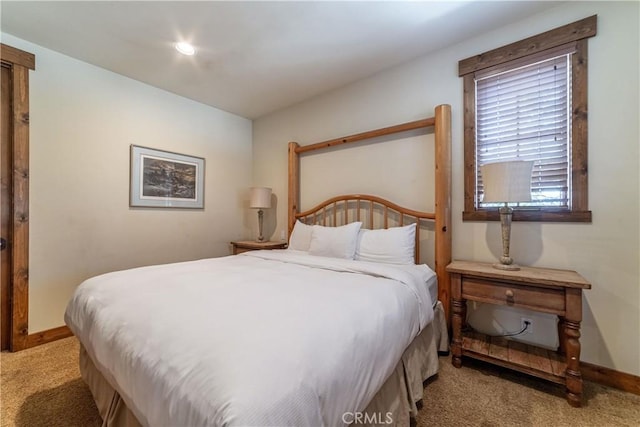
(5, 207)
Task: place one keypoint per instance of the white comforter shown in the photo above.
(263, 338)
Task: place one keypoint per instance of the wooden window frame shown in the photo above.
(577, 32)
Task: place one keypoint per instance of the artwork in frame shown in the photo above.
(163, 179)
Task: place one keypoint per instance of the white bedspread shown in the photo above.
(263, 338)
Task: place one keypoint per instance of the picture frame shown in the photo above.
(163, 179)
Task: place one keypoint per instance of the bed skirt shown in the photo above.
(393, 405)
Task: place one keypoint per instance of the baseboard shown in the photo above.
(597, 374)
(609, 377)
(49, 335)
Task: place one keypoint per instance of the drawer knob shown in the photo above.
(509, 293)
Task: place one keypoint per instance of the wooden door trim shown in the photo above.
(17, 57)
(20, 63)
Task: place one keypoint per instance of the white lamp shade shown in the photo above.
(260, 198)
(507, 182)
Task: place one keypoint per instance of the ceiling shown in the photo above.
(254, 58)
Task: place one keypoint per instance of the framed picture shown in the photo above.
(162, 179)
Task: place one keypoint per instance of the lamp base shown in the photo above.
(506, 262)
(508, 267)
(260, 237)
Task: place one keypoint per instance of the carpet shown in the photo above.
(42, 387)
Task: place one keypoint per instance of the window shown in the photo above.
(528, 101)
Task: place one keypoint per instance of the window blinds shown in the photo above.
(523, 114)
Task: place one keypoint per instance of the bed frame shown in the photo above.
(357, 207)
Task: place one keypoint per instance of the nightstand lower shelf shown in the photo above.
(518, 356)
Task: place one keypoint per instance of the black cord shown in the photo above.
(526, 326)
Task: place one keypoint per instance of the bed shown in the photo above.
(341, 328)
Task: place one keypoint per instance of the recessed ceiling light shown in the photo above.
(185, 48)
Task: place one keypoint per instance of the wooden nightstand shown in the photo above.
(250, 245)
(557, 292)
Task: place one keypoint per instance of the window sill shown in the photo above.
(529, 215)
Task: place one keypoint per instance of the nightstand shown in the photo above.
(250, 245)
(551, 291)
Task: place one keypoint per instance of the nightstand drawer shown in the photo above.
(547, 300)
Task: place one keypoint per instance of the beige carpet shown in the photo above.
(42, 387)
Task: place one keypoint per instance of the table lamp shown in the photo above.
(506, 182)
(260, 199)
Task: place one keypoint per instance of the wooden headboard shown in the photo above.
(374, 212)
(328, 212)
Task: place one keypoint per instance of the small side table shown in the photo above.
(250, 245)
(545, 290)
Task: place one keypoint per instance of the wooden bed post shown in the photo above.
(443, 206)
(294, 186)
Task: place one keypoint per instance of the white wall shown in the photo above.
(605, 252)
(82, 121)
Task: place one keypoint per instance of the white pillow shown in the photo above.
(300, 236)
(335, 242)
(394, 245)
